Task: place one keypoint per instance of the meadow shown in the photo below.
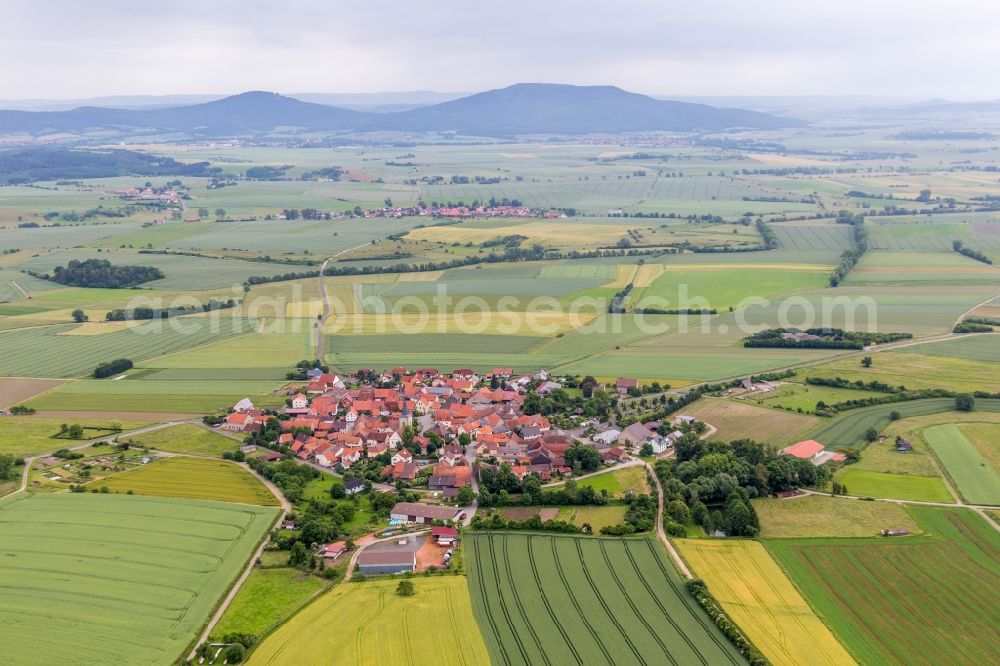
(969, 453)
(368, 623)
(186, 438)
(618, 482)
(268, 597)
(760, 598)
(148, 572)
(31, 435)
(587, 600)
(736, 419)
(913, 600)
(824, 516)
(194, 478)
(868, 483)
(805, 396)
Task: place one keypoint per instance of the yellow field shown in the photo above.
(624, 273)
(310, 309)
(426, 276)
(368, 623)
(755, 592)
(194, 478)
(473, 321)
(647, 274)
(98, 328)
(738, 420)
(554, 233)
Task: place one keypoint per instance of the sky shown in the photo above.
(60, 49)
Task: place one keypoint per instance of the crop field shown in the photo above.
(29, 435)
(190, 396)
(18, 389)
(728, 287)
(267, 598)
(933, 233)
(805, 236)
(758, 596)
(45, 353)
(969, 453)
(942, 268)
(869, 483)
(148, 572)
(186, 438)
(823, 516)
(368, 623)
(739, 420)
(911, 600)
(193, 478)
(586, 600)
(982, 348)
(848, 429)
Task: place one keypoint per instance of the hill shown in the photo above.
(527, 108)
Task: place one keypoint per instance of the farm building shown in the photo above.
(444, 536)
(810, 449)
(411, 512)
(354, 486)
(332, 551)
(607, 437)
(377, 562)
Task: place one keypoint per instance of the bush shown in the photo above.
(110, 368)
(405, 589)
(235, 653)
(965, 402)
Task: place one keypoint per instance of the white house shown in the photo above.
(243, 405)
(299, 401)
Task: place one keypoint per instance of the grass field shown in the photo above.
(911, 600)
(186, 438)
(962, 451)
(595, 516)
(619, 481)
(823, 516)
(740, 420)
(368, 623)
(266, 598)
(198, 478)
(28, 435)
(141, 578)
(586, 600)
(848, 428)
(758, 596)
(805, 396)
(186, 396)
(867, 483)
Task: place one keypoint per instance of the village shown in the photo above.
(438, 442)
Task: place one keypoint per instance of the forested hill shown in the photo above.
(30, 164)
(527, 108)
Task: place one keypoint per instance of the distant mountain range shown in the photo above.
(526, 108)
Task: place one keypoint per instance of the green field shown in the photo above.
(972, 472)
(619, 481)
(587, 600)
(184, 397)
(911, 600)
(198, 478)
(186, 438)
(141, 578)
(805, 396)
(866, 483)
(30, 435)
(368, 623)
(267, 597)
(848, 428)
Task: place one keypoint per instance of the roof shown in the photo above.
(425, 511)
(805, 449)
(444, 531)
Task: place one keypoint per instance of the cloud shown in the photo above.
(52, 48)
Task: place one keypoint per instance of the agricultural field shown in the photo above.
(186, 438)
(368, 623)
(18, 389)
(915, 600)
(736, 419)
(760, 598)
(824, 516)
(31, 435)
(805, 396)
(196, 478)
(590, 600)
(848, 428)
(173, 561)
(266, 599)
(969, 454)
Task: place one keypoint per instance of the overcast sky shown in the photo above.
(74, 49)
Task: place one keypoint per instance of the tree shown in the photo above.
(220, 213)
(646, 450)
(965, 402)
(75, 431)
(866, 362)
(235, 653)
(79, 316)
(894, 415)
(337, 489)
(465, 496)
(871, 435)
(678, 511)
(405, 589)
(298, 555)
(586, 456)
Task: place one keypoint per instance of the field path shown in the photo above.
(326, 298)
(682, 567)
(21, 289)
